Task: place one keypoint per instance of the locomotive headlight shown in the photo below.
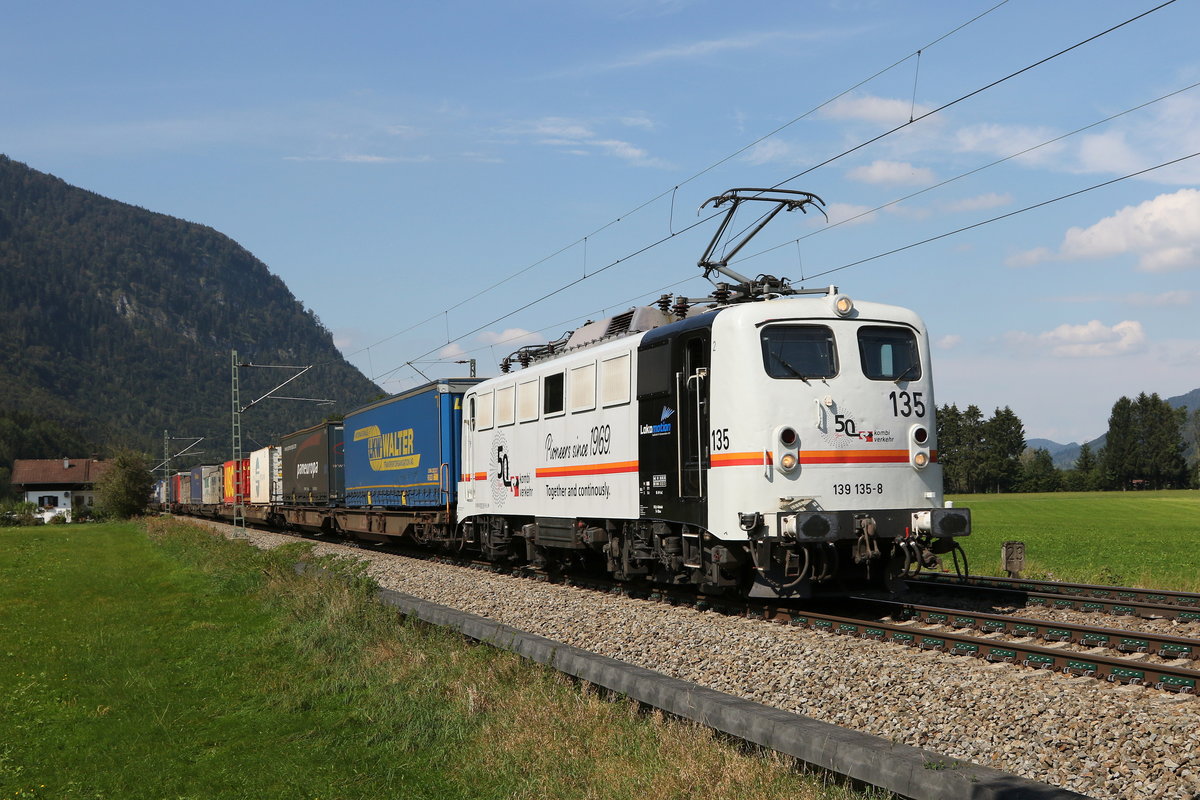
(842, 305)
(788, 462)
(920, 460)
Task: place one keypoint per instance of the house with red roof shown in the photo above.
(58, 484)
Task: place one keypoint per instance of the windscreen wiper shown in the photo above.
(912, 367)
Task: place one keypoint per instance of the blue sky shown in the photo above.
(417, 171)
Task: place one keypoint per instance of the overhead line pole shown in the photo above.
(239, 498)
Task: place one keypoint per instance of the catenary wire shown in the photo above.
(968, 173)
(1006, 215)
(857, 147)
(971, 94)
(688, 180)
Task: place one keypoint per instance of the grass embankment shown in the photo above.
(1148, 539)
(183, 665)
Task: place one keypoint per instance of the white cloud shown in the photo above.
(639, 122)
(849, 214)
(1028, 258)
(1177, 298)
(775, 151)
(891, 172)
(1004, 140)
(706, 49)
(1109, 152)
(867, 108)
(364, 158)
(1164, 233)
(1092, 340)
(452, 350)
(576, 137)
(513, 337)
(948, 342)
(980, 202)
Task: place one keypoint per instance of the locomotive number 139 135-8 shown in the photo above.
(858, 488)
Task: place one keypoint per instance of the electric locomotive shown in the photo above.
(775, 441)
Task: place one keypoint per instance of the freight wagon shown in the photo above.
(402, 460)
(313, 476)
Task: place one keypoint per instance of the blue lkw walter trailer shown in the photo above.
(404, 451)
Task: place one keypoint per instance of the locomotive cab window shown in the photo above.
(799, 351)
(889, 354)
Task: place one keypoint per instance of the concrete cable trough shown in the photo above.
(908, 771)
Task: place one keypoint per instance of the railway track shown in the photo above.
(1052, 631)
(1023, 646)
(1115, 600)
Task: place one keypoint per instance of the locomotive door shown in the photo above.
(692, 389)
(469, 455)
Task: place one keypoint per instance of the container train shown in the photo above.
(768, 441)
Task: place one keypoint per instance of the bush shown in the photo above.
(124, 491)
(14, 513)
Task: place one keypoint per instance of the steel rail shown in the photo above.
(1114, 670)
(1047, 630)
(1122, 594)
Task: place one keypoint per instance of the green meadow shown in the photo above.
(167, 662)
(1148, 539)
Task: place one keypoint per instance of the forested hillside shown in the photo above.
(117, 323)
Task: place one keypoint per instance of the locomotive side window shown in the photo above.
(506, 405)
(583, 387)
(552, 394)
(889, 354)
(654, 371)
(527, 401)
(483, 411)
(614, 380)
(799, 351)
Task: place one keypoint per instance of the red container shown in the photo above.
(230, 473)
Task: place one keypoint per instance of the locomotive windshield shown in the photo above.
(889, 354)
(799, 351)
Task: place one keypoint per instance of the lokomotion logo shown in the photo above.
(391, 450)
(663, 427)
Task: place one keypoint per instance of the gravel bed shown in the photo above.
(1103, 740)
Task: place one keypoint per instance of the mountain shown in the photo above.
(1064, 455)
(117, 323)
(1190, 401)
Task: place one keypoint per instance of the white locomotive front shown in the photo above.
(777, 442)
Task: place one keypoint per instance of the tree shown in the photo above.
(1145, 444)
(124, 491)
(1120, 445)
(1038, 473)
(1163, 464)
(1085, 476)
(1003, 444)
(950, 447)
